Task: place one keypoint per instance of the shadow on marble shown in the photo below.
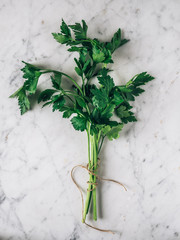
(5, 238)
(33, 99)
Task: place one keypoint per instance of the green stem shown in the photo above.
(88, 135)
(92, 157)
(89, 192)
(83, 86)
(64, 74)
(100, 146)
(94, 178)
(89, 161)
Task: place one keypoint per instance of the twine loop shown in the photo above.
(89, 170)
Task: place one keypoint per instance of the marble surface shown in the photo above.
(38, 200)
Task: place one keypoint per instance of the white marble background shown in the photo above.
(38, 200)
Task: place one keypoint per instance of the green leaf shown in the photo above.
(68, 113)
(108, 111)
(32, 74)
(111, 123)
(100, 98)
(105, 129)
(65, 29)
(60, 38)
(46, 104)
(123, 89)
(117, 98)
(137, 91)
(89, 73)
(108, 56)
(129, 96)
(23, 100)
(124, 114)
(79, 123)
(56, 80)
(58, 102)
(96, 113)
(46, 95)
(83, 64)
(78, 71)
(116, 41)
(86, 64)
(81, 101)
(83, 56)
(140, 79)
(29, 70)
(134, 83)
(79, 31)
(97, 55)
(105, 80)
(114, 132)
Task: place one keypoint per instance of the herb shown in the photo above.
(90, 107)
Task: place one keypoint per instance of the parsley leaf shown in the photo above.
(23, 100)
(60, 38)
(140, 79)
(97, 55)
(124, 114)
(79, 123)
(32, 74)
(56, 80)
(117, 98)
(108, 111)
(79, 31)
(112, 133)
(116, 41)
(46, 95)
(100, 97)
(67, 113)
(106, 81)
(132, 86)
(58, 102)
(65, 36)
(65, 29)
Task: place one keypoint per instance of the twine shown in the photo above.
(95, 185)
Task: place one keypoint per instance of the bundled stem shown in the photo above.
(93, 142)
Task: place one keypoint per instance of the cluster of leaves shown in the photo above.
(31, 74)
(93, 105)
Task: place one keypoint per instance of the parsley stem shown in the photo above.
(83, 87)
(64, 74)
(88, 135)
(102, 140)
(92, 157)
(67, 95)
(91, 191)
(89, 161)
(94, 177)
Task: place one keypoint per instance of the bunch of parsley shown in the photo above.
(91, 107)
